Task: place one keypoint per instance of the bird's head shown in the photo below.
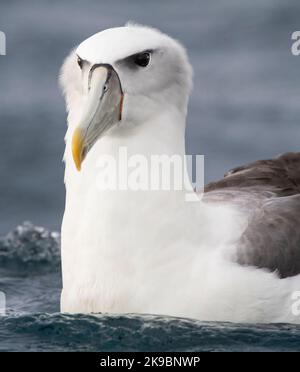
(122, 77)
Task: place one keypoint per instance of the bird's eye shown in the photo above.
(80, 62)
(142, 59)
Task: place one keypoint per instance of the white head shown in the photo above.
(122, 77)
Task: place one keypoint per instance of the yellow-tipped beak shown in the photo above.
(77, 148)
(101, 110)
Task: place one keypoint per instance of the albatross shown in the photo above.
(232, 256)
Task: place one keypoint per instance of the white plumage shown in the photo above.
(145, 251)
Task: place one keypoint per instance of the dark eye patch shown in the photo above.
(142, 59)
(80, 62)
(137, 60)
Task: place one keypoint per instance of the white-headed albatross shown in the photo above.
(232, 256)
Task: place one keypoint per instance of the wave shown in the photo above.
(62, 332)
(28, 245)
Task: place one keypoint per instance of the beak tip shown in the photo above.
(77, 148)
(78, 166)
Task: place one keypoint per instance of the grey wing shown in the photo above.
(270, 192)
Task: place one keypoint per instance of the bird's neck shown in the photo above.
(163, 134)
(122, 215)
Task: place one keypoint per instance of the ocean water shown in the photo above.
(244, 106)
(30, 277)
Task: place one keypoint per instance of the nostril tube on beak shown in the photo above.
(103, 109)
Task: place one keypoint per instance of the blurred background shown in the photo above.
(245, 103)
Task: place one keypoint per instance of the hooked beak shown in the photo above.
(102, 110)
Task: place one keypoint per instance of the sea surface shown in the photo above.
(245, 106)
(31, 280)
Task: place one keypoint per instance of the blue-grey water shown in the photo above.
(30, 277)
(245, 106)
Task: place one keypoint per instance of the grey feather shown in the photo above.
(269, 192)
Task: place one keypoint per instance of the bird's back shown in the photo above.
(269, 192)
